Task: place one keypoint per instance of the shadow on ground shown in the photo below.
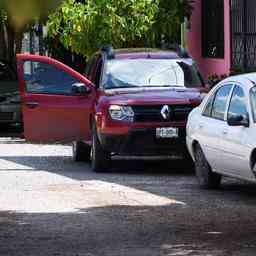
(167, 178)
(214, 223)
(129, 231)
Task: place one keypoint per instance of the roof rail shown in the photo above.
(108, 49)
(181, 51)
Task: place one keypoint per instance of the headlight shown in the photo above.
(121, 113)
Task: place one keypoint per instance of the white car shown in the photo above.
(221, 132)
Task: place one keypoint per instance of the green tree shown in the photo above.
(167, 26)
(15, 18)
(10, 38)
(85, 25)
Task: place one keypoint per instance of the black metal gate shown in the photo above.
(243, 34)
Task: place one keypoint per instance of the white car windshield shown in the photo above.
(126, 73)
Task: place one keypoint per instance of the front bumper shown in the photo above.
(143, 142)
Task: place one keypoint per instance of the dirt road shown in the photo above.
(50, 205)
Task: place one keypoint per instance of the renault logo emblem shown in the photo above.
(165, 112)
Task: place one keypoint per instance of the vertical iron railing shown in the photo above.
(243, 34)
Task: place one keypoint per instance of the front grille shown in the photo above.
(6, 116)
(152, 113)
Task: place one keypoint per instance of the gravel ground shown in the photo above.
(50, 205)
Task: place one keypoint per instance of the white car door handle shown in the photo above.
(201, 125)
(225, 131)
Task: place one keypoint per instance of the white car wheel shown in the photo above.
(206, 178)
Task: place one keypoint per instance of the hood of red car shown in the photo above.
(155, 96)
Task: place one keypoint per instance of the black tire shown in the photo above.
(81, 151)
(206, 177)
(100, 158)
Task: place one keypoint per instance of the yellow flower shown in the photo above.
(79, 28)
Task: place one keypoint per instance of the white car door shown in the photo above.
(235, 151)
(211, 125)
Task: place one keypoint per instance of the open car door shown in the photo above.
(56, 100)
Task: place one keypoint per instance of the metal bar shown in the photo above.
(245, 59)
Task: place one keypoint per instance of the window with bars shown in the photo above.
(243, 35)
(213, 28)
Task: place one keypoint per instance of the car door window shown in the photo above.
(237, 103)
(45, 78)
(220, 102)
(208, 108)
(253, 102)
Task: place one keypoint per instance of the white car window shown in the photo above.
(237, 105)
(253, 102)
(220, 102)
(208, 107)
(216, 104)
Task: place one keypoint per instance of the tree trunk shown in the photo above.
(3, 45)
(10, 43)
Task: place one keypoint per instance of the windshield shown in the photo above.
(129, 73)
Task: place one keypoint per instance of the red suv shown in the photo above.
(131, 102)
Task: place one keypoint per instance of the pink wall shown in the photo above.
(194, 41)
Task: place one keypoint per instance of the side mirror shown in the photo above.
(238, 120)
(80, 89)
